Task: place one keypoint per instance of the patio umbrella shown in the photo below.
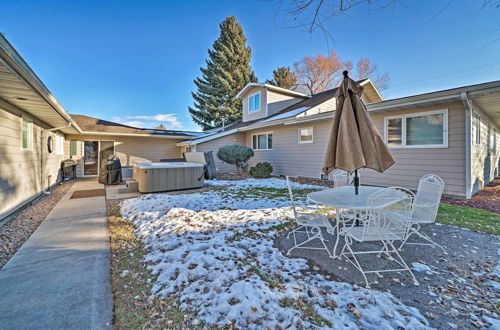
(354, 140)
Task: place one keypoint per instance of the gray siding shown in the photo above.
(247, 116)
(290, 158)
(411, 164)
(24, 174)
(277, 102)
(214, 145)
(484, 162)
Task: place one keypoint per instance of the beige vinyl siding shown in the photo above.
(131, 150)
(278, 101)
(290, 158)
(326, 106)
(413, 163)
(214, 145)
(24, 174)
(484, 164)
(247, 116)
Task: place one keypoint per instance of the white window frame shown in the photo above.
(476, 140)
(260, 101)
(30, 134)
(267, 141)
(492, 143)
(403, 130)
(299, 134)
(59, 145)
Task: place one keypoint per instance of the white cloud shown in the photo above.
(170, 121)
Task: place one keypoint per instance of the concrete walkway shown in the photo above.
(59, 279)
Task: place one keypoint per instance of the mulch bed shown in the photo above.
(303, 180)
(88, 193)
(19, 228)
(487, 199)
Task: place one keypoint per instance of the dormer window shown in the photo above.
(254, 102)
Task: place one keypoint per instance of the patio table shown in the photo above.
(343, 198)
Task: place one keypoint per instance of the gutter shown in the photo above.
(11, 58)
(135, 135)
(70, 124)
(468, 121)
(194, 142)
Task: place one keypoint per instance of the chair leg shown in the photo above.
(416, 231)
(315, 234)
(410, 232)
(427, 238)
(403, 263)
(295, 230)
(356, 262)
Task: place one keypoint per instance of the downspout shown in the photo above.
(468, 121)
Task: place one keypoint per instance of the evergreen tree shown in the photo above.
(227, 71)
(283, 77)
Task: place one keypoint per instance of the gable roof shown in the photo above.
(270, 87)
(91, 125)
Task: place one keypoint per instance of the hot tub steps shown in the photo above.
(130, 187)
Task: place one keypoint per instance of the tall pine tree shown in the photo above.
(283, 77)
(227, 71)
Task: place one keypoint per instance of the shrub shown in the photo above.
(235, 154)
(261, 170)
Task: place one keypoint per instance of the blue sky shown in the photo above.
(135, 61)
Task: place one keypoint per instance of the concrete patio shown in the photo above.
(60, 276)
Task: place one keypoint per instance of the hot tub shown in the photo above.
(155, 177)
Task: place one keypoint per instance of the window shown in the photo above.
(492, 143)
(476, 129)
(73, 148)
(26, 134)
(395, 131)
(262, 141)
(421, 130)
(306, 135)
(59, 145)
(254, 102)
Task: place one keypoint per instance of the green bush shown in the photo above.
(235, 154)
(261, 170)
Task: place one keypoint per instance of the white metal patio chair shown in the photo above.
(309, 222)
(425, 208)
(340, 178)
(385, 221)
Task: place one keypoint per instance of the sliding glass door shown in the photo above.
(90, 157)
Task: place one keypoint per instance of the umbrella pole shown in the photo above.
(356, 183)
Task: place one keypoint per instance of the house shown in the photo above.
(453, 133)
(31, 119)
(100, 138)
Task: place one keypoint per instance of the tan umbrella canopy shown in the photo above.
(354, 140)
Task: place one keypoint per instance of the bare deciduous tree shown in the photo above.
(319, 73)
(366, 69)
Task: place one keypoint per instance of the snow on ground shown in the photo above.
(215, 252)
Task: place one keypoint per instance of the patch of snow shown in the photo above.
(495, 285)
(288, 114)
(421, 268)
(216, 254)
(493, 323)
